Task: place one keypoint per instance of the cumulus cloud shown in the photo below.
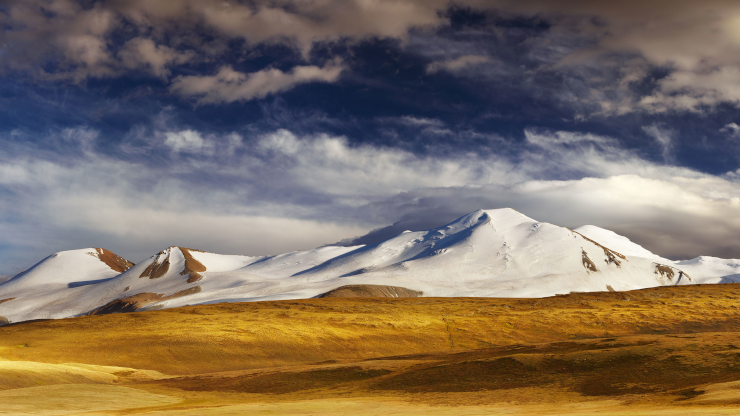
(697, 43)
(229, 85)
(603, 53)
(144, 53)
(82, 38)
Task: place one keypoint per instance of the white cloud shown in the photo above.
(731, 129)
(229, 85)
(186, 141)
(330, 165)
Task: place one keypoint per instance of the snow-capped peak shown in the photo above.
(497, 253)
(70, 267)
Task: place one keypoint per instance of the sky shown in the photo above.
(261, 127)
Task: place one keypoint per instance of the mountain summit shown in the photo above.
(487, 253)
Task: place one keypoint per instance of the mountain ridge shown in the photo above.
(486, 253)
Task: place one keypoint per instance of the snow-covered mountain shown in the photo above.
(497, 253)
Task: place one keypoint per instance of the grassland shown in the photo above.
(658, 351)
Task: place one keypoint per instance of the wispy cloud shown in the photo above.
(664, 138)
(229, 85)
(457, 64)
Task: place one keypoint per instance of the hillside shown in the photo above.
(668, 350)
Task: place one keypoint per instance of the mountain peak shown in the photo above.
(507, 214)
(71, 267)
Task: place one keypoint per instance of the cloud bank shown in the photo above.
(319, 189)
(610, 51)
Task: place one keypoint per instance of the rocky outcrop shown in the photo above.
(139, 301)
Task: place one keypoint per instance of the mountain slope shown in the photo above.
(616, 242)
(496, 253)
(703, 269)
(64, 274)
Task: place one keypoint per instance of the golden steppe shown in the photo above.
(670, 350)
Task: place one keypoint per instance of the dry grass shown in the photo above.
(671, 350)
(233, 336)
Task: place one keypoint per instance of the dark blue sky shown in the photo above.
(260, 127)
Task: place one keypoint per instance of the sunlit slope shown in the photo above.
(234, 336)
(667, 350)
(22, 374)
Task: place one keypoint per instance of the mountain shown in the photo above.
(487, 253)
(59, 279)
(705, 269)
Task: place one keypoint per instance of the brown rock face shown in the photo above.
(139, 301)
(371, 291)
(112, 260)
(155, 270)
(192, 266)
